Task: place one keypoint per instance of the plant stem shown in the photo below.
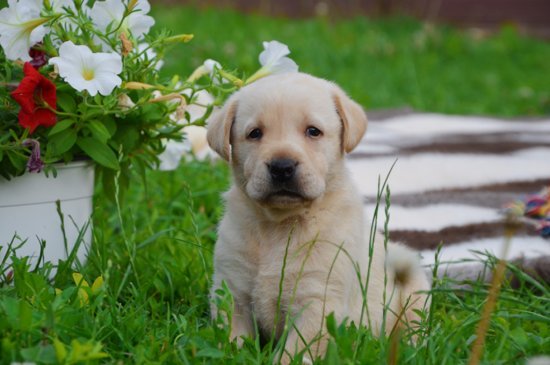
(492, 296)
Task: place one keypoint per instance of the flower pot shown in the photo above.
(29, 209)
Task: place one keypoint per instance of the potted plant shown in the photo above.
(81, 92)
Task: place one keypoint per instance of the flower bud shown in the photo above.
(134, 85)
(233, 79)
(124, 102)
(35, 163)
(183, 38)
(168, 97)
(127, 45)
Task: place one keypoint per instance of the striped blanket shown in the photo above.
(451, 179)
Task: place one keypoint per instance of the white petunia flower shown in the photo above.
(108, 12)
(274, 60)
(195, 142)
(85, 70)
(210, 65)
(147, 52)
(58, 5)
(21, 27)
(207, 68)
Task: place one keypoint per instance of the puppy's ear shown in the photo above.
(219, 129)
(353, 117)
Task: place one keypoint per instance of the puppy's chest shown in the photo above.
(282, 259)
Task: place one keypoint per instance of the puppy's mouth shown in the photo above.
(285, 194)
(285, 197)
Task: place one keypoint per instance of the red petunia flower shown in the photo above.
(32, 93)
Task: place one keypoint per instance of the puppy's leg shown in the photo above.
(241, 318)
(308, 327)
(306, 331)
(241, 323)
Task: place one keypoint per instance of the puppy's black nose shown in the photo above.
(282, 170)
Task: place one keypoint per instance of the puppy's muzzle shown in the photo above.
(282, 170)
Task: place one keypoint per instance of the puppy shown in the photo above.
(293, 244)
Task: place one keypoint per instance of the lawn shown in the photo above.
(153, 250)
(396, 62)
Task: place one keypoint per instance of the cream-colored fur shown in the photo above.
(313, 226)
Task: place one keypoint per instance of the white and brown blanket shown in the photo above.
(451, 180)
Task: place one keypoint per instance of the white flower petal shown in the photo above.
(36, 5)
(64, 67)
(58, 5)
(170, 158)
(21, 27)
(84, 70)
(107, 62)
(285, 64)
(37, 35)
(106, 12)
(75, 53)
(139, 24)
(143, 6)
(81, 84)
(210, 65)
(106, 82)
(273, 58)
(273, 51)
(90, 87)
(146, 52)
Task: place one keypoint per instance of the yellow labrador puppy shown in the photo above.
(293, 244)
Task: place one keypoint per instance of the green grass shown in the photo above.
(386, 63)
(155, 251)
(153, 306)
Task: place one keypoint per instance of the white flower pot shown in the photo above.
(28, 208)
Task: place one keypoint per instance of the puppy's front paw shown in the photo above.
(286, 359)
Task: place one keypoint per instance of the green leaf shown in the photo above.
(60, 350)
(85, 351)
(39, 353)
(108, 179)
(9, 308)
(98, 99)
(331, 325)
(128, 137)
(25, 316)
(63, 141)
(66, 102)
(211, 353)
(110, 124)
(61, 126)
(99, 152)
(17, 160)
(99, 131)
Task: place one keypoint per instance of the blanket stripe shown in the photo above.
(452, 177)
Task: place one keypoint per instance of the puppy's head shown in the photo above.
(285, 137)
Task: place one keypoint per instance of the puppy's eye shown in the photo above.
(256, 134)
(313, 132)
